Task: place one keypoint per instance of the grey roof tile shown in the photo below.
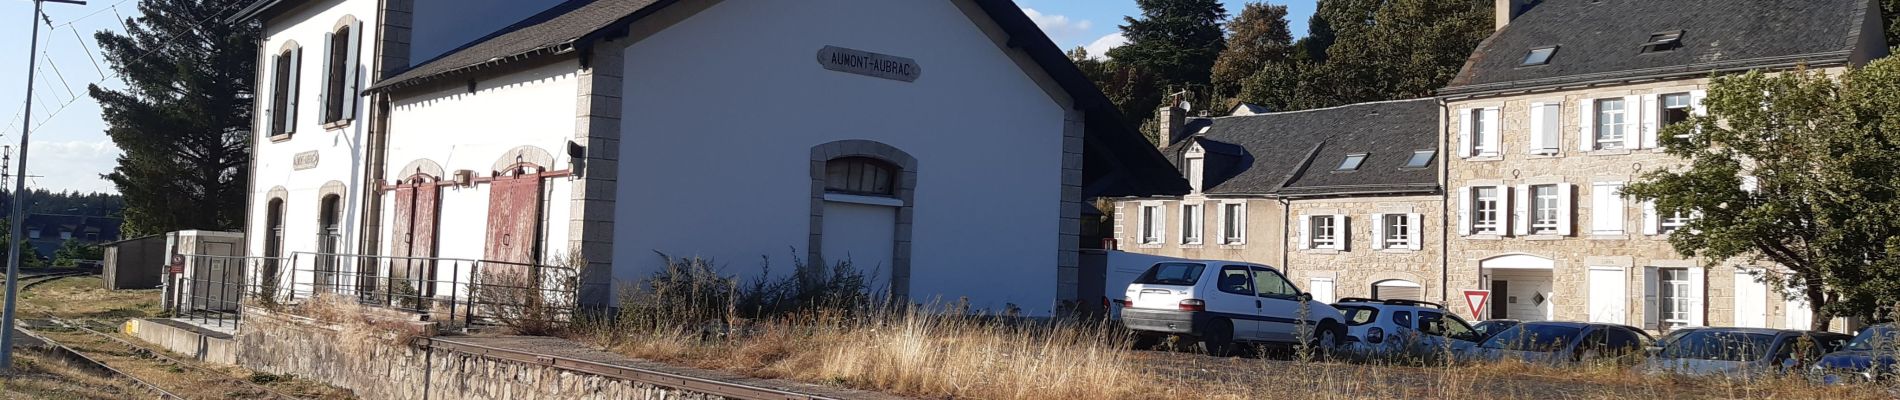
(1294, 153)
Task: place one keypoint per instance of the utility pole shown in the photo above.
(17, 217)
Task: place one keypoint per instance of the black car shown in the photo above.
(1869, 357)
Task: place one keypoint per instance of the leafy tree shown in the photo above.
(1821, 200)
(1890, 12)
(1176, 39)
(1372, 50)
(1134, 91)
(184, 118)
(30, 258)
(72, 251)
(1256, 38)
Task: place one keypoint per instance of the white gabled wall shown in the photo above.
(339, 151)
(722, 110)
(462, 130)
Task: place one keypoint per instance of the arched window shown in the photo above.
(274, 227)
(283, 104)
(336, 94)
(329, 239)
(860, 176)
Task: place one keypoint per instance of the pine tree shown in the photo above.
(184, 118)
(1372, 50)
(1176, 39)
(1256, 38)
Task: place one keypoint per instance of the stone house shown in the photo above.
(1345, 200)
(1561, 107)
(612, 131)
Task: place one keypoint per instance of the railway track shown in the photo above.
(104, 350)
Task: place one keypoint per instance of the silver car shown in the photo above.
(1561, 343)
(1741, 352)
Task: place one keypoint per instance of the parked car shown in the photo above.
(1121, 269)
(1561, 342)
(1740, 352)
(1221, 303)
(1491, 327)
(1869, 357)
(1402, 329)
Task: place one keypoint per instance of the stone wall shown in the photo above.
(1262, 235)
(281, 344)
(1354, 269)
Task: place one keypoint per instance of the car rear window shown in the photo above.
(1534, 337)
(1359, 315)
(1720, 346)
(1175, 273)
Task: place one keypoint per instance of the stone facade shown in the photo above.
(1476, 260)
(1355, 269)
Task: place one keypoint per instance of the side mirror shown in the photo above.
(1306, 297)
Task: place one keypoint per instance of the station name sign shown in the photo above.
(869, 64)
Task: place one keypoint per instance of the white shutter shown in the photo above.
(1520, 223)
(350, 74)
(1565, 192)
(1652, 120)
(323, 94)
(1695, 102)
(1465, 147)
(1378, 231)
(1415, 222)
(1606, 209)
(1650, 220)
(1464, 211)
(1306, 226)
(1652, 310)
(270, 103)
(1343, 228)
(1537, 129)
(290, 104)
(1632, 122)
(1586, 117)
(1491, 122)
(1553, 127)
(1505, 202)
(1696, 286)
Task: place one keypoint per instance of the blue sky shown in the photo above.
(1094, 23)
(70, 149)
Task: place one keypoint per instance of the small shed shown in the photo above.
(206, 271)
(135, 263)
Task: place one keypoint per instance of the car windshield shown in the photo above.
(1876, 338)
(1672, 336)
(1719, 346)
(1359, 315)
(1487, 328)
(1183, 274)
(1533, 337)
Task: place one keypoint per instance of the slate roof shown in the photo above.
(1601, 40)
(1294, 153)
(1117, 162)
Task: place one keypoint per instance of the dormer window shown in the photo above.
(1352, 162)
(1538, 56)
(1196, 168)
(1420, 158)
(1663, 41)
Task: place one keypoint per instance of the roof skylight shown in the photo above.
(1352, 162)
(1538, 56)
(1663, 41)
(1420, 158)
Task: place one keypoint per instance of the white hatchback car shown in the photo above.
(1403, 329)
(1221, 303)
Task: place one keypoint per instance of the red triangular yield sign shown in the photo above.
(1474, 299)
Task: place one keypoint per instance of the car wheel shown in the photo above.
(1146, 342)
(1218, 339)
(1327, 339)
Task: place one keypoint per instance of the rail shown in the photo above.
(654, 377)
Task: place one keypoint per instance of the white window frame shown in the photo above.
(1604, 127)
(1397, 230)
(1153, 223)
(1479, 132)
(1546, 127)
(1546, 212)
(1196, 168)
(1679, 309)
(1326, 232)
(1662, 106)
(1670, 223)
(1496, 211)
(1233, 214)
(1191, 229)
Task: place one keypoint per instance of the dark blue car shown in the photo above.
(1869, 357)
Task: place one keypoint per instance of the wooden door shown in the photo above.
(415, 231)
(514, 216)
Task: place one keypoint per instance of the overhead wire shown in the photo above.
(148, 52)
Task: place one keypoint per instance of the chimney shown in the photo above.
(1508, 10)
(1171, 119)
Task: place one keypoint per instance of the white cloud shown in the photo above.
(73, 165)
(1098, 49)
(1060, 28)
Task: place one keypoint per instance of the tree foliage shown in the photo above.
(184, 118)
(1178, 40)
(1259, 36)
(1369, 50)
(72, 251)
(1821, 198)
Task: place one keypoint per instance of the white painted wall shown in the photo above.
(339, 150)
(723, 108)
(461, 130)
(443, 25)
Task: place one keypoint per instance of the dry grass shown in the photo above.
(363, 325)
(86, 297)
(38, 376)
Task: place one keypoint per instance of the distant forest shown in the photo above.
(42, 201)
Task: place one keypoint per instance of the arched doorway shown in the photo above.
(416, 219)
(1521, 287)
(860, 214)
(273, 246)
(329, 240)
